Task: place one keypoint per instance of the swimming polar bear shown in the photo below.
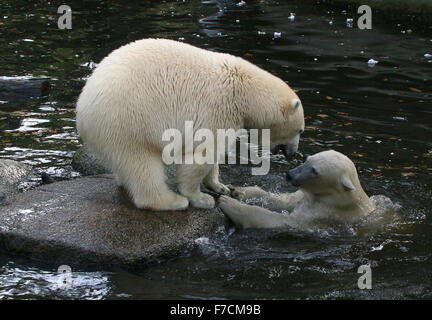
(329, 190)
(148, 86)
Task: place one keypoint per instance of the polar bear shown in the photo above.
(329, 190)
(148, 86)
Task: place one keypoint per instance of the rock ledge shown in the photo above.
(91, 220)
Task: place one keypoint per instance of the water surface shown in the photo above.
(379, 116)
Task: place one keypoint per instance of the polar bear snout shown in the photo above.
(292, 178)
(287, 150)
(300, 175)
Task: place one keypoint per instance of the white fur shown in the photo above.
(150, 85)
(333, 194)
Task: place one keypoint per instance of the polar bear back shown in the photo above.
(142, 88)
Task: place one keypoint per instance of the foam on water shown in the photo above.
(217, 246)
(28, 283)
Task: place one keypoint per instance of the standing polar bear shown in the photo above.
(148, 86)
(329, 189)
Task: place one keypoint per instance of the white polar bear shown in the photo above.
(143, 88)
(329, 190)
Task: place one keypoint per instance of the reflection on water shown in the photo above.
(28, 283)
(379, 116)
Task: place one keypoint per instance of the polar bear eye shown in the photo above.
(314, 171)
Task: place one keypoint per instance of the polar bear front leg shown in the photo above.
(277, 201)
(212, 181)
(247, 216)
(189, 179)
(245, 193)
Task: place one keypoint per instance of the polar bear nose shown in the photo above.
(292, 178)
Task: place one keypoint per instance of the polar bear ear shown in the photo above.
(295, 104)
(347, 184)
(287, 111)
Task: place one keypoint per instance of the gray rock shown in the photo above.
(86, 163)
(91, 220)
(11, 174)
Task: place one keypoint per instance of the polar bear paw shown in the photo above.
(232, 208)
(168, 202)
(227, 203)
(219, 188)
(201, 200)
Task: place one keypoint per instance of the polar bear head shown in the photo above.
(285, 135)
(326, 173)
(272, 104)
(331, 181)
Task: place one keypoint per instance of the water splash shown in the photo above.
(28, 283)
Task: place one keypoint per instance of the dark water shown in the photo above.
(379, 116)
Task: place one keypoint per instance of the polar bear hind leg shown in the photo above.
(144, 178)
